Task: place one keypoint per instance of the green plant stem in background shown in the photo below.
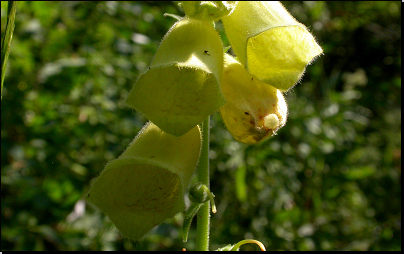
(203, 221)
(6, 40)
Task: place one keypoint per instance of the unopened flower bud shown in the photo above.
(208, 10)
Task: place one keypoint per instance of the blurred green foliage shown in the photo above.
(330, 179)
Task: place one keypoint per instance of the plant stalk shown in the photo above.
(6, 40)
(203, 221)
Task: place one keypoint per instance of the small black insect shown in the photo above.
(207, 52)
(246, 113)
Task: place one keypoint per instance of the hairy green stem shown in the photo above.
(6, 40)
(203, 221)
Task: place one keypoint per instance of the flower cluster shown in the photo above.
(190, 78)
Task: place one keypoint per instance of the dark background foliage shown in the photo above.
(330, 179)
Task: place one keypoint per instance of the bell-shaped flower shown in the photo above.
(270, 43)
(254, 110)
(146, 184)
(181, 87)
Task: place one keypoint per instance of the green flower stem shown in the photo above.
(6, 40)
(203, 221)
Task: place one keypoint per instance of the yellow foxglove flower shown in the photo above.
(270, 43)
(254, 110)
(146, 184)
(181, 87)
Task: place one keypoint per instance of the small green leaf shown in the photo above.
(189, 215)
(226, 248)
